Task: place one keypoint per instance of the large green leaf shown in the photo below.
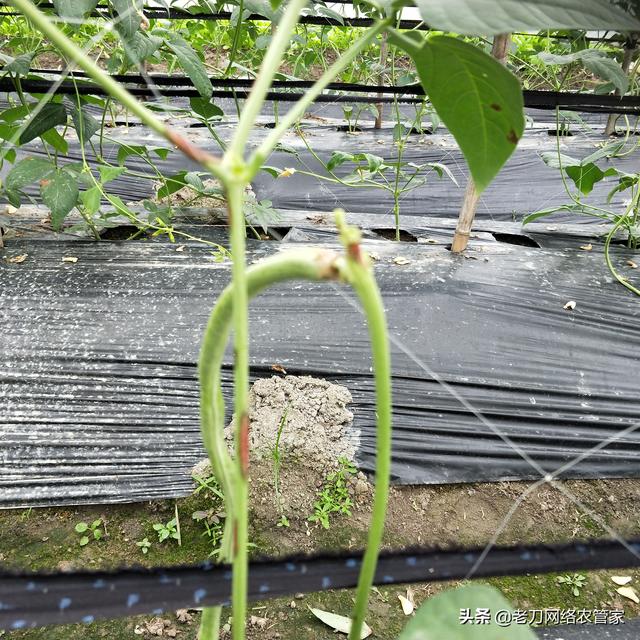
(587, 174)
(83, 122)
(19, 65)
(596, 61)
(188, 59)
(74, 9)
(140, 46)
(477, 98)
(60, 193)
(441, 617)
(129, 16)
(26, 172)
(50, 116)
(490, 17)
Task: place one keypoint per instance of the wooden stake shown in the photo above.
(471, 196)
(629, 51)
(384, 48)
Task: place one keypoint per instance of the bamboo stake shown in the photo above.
(471, 196)
(629, 51)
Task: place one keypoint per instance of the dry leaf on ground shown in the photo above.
(629, 593)
(341, 624)
(570, 306)
(621, 580)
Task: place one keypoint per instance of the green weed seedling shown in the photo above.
(144, 545)
(96, 531)
(334, 496)
(575, 582)
(168, 531)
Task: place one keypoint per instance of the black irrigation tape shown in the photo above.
(167, 85)
(37, 599)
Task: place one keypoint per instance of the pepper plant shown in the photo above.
(479, 101)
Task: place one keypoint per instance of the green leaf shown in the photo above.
(140, 46)
(50, 116)
(488, 17)
(188, 59)
(127, 150)
(81, 527)
(129, 16)
(74, 9)
(595, 61)
(476, 97)
(205, 108)
(26, 172)
(84, 541)
(83, 122)
(91, 199)
(585, 176)
(337, 158)
(555, 161)
(110, 173)
(441, 617)
(60, 193)
(53, 138)
(172, 184)
(19, 65)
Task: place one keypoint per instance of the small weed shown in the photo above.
(275, 454)
(212, 518)
(167, 531)
(144, 545)
(334, 496)
(95, 530)
(575, 582)
(283, 522)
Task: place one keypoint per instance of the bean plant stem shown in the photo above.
(240, 514)
(262, 84)
(359, 274)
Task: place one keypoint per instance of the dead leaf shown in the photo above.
(180, 249)
(18, 259)
(407, 605)
(279, 369)
(427, 241)
(139, 631)
(401, 261)
(287, 172)
(629, 593)
(586, 247)
(621, 580)
(72, 259)
(183, 615)
(338, 623)
(632, 264)
(374, 256)
(570, 306)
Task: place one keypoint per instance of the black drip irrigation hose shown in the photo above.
(37, 599)
(180, 86)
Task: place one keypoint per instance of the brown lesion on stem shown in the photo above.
(191, 150)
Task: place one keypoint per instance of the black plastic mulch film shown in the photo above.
(37, 599)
